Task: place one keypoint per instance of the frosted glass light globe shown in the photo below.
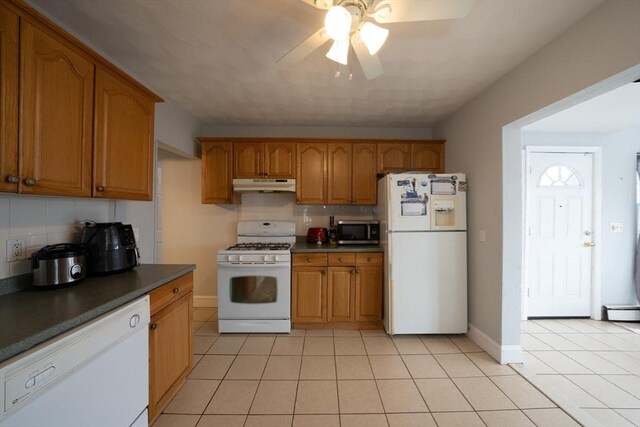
(337, 23)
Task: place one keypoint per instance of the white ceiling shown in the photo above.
(613, 111)
(217, 58)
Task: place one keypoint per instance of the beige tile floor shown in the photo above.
(351, 378)
(589, 368)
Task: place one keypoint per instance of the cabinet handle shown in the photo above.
(99, 188)
(176, 290)
(30, 182)
(153, 326)
(12, 179)
(308, 259)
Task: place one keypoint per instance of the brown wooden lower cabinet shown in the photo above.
(338, 289)
(170, 341)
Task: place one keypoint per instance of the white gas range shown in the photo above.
(254, 278)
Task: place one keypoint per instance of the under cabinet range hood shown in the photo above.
(265, 185)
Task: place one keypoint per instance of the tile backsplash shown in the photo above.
(43, 221)
(282, 206)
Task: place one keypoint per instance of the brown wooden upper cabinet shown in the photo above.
(9, 48)
(351, 173)
(404, 156)
(428, 156)
(71, 124)
(124, 146)
(56, 120)
(259, 159)
(311, 184)
(217, 164)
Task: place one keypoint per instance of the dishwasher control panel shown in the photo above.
(25, 376)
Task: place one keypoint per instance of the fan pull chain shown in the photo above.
(350, 62)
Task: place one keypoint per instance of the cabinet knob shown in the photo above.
(308, 259)
(368, 259)
(341, 259)
(266, 174)
(30, 182)
(324, 271)
(12, 179)
(353, 271)
(176, 290)
(349, 199)
(99, 188)
(357, 271)
(153, 326)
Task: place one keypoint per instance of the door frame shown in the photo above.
(596, 218)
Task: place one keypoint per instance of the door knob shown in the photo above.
(589, 244)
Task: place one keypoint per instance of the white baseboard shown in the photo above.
(199, 301)
(502, 353)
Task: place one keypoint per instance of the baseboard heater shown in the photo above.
(623, 313)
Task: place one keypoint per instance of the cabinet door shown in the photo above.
(248, 159)
(8, 100)
(427, 156)
(340, 294)
(369, 293)
(124, 146)
(217, 179)
(393, 157)
(56, 97)
(170, 352)
(308, 295)
(280, 159)
(364, 174)
(339, 173)
(312, 173)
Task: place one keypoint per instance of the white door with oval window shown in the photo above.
(559, 234)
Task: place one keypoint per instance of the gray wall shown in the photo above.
(618, 157)
(603, 43)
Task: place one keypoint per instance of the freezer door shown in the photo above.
(408, 202)
(427, 283)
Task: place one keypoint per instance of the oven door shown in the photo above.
(254, 291)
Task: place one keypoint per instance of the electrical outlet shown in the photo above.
(482, 236)
(16, 249)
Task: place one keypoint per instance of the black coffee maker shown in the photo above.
(111, 247)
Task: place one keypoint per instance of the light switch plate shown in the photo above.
(616, 227)
(482, 236)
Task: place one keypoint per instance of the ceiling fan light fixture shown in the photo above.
(373, 37)
(339, 51)
(337, 23)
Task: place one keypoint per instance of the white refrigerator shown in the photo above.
(423, 230)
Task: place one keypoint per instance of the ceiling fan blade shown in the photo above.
(296, 54)
(370, 64)
(320, 4)
(389, 11)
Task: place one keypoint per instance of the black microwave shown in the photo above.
(358, 232)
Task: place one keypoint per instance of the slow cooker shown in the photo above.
(59, 264)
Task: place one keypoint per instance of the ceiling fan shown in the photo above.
(349, 24)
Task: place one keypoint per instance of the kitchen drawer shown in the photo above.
(310, 259)
(369, 258)
(342, 259)
(170, 292)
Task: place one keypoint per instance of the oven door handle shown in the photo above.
(250, 265)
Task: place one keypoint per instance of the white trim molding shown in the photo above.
(202, 301)
(502, 353)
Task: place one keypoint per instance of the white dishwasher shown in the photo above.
(94, 375)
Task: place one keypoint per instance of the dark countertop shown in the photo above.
(33, 316)
(304, 247)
